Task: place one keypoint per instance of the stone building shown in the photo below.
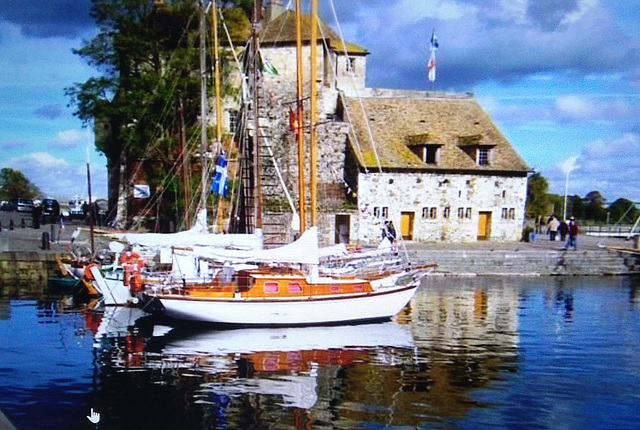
(433, 163)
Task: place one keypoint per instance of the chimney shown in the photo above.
(273, 10)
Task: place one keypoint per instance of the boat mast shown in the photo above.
(257, 18)
(313, 112)
(91, 208)
(300, 114)
(203, 109)
(186, 179)
(216, 70)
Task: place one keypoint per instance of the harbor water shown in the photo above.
(469, 353)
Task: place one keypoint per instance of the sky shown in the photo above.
(561, 79)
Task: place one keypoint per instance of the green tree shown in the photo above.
(623, 211)
(594, 207)
(13, 183)
(537, 196)
(148, 55)
(575, 207)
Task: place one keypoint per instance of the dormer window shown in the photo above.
(428, 154)
(425, 149)
(483, 156)
(477, 148)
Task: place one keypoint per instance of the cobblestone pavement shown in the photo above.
(29, 239)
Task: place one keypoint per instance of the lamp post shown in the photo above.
(568, 166)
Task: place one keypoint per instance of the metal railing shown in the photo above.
(609, 230)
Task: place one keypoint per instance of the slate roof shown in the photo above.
(282, 30)
(453, 123)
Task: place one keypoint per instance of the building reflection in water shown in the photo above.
(422, 367)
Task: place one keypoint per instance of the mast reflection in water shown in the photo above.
(468, 353)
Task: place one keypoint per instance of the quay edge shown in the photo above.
(22, 267)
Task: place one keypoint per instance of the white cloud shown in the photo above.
(576, 107)
(58, 178)
(68, 139)
(583, 7)
(609, 166)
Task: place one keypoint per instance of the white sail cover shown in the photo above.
(198, 235)
(302, 251)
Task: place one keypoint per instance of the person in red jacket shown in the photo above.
(574, 229)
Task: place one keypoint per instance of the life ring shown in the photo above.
(132, 260)
(87, 271)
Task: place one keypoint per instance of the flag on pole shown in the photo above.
(219, 185)
(434, 41)
(431, 65)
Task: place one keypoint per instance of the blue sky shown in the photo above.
(561, 78)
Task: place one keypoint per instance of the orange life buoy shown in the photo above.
(131, 259)
(87, 271)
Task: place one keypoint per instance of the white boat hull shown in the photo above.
(315, 310)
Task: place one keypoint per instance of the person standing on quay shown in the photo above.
(553, 224)
(563, 229)
(573, 234)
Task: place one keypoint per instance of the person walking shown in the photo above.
(563, 229)
(573, 234)
(553, 224)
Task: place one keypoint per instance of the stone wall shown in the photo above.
(529, 262)
(25, 268)
(427, 196)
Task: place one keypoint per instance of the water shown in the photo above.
(542, 353)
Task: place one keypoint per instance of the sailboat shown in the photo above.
(284, 286)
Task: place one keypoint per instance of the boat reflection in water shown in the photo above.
(436, 352)
(466, 353)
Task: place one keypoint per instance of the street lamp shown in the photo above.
(568, 166)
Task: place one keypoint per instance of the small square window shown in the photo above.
(350, 64)
(446, 213)
(460, 212)
(295, 287)
(385, 212)
(512, 213)
(376, 212)
(271, 287)
(504, 213)
(433, 213)
(483, 156)
(467, 213)
(425, 212)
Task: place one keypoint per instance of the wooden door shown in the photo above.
(406, 225)
(484, 225)
(342, 230)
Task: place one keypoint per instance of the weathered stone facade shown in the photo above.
(440, 207)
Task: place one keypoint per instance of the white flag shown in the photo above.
(431, 66)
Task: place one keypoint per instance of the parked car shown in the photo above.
(22, 204)
(50, 210)
(76, 208)
(7, 206)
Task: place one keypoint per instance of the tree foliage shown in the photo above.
(623, 211)
(537, 196)
(594, 207)
(147, 55)
(13, 183)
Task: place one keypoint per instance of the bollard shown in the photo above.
(23, 223)
(45, 241)
(11, 224)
